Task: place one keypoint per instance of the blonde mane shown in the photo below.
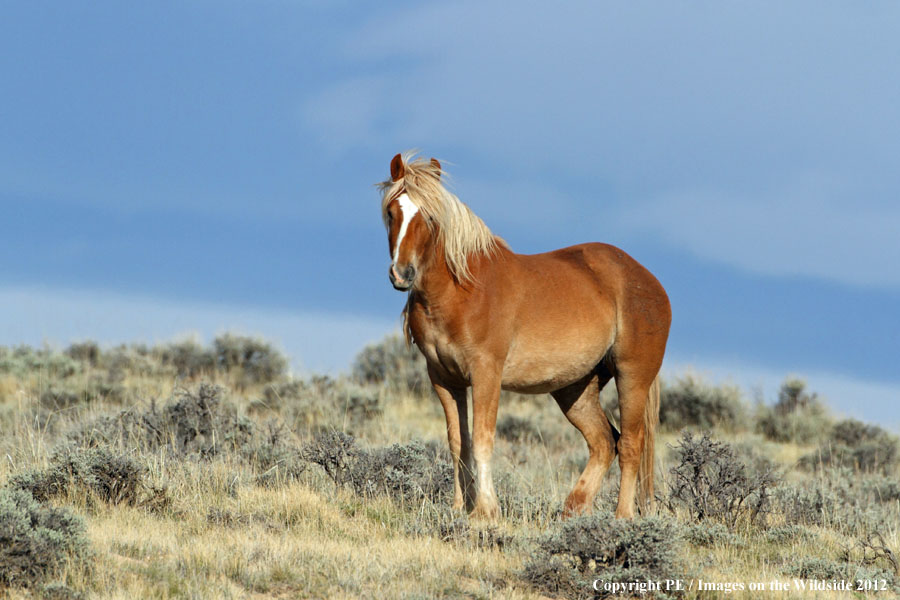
(461, 233)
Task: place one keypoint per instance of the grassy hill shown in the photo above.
(206, 472)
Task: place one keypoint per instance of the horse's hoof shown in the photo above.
(486, 512)
(570, 512)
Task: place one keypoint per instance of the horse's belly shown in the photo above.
(538, 370)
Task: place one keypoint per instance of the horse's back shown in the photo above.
(605, 269)
(580, 302)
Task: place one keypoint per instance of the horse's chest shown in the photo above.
(438, 347)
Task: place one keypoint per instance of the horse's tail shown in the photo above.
(645, 470)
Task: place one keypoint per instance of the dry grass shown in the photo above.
(294, 543)
(235, 526)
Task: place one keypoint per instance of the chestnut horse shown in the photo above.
(563, 322)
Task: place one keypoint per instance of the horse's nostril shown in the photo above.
(410, 273)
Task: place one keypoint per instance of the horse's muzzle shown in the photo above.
(402, 282)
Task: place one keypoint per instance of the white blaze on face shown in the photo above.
(407, 211)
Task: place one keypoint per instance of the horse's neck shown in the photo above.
(439, 284)
(437, 281)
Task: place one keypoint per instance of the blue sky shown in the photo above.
(200, 166)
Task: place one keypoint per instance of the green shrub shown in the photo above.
(872, 552)
(134, 359)
(393, 363)
(86, 352)
(23, 361)
(818, 568)
(274, 456)
(35, 539)
(306, 404)
(446, 524)
(187, 358)
(62, 395)
(881, 488)
(337, 453)
(711, 482)
(107, 389)
(254, 360)
(518, 429)
(251, 360)
(557, 576)
(114, 478)
(599, 547)
(195, 422)
(322, 403)
(797, 416)
(520, 502)
(360, 403)
(690, 402)
(839, 498)
(712, 534)
(853, 433)
(823, 569)
(408, 472)
(810, 503)
(55, 398)
(788, 533)
(192, 421)
(59, 591)
(854, 444)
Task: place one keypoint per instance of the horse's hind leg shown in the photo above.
(633, 386)
(580, 402)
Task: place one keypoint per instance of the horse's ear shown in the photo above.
(437, 165)
(397, 170)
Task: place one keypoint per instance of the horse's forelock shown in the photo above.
(460, 231)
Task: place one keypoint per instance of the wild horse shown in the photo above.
(563, 322)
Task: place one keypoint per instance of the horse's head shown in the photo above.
(409, 233)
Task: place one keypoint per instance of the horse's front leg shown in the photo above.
(456, 410)
(485, 398)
